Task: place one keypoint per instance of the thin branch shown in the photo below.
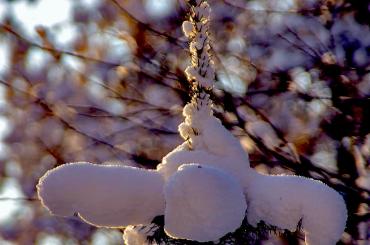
(278, 132)
(304, 43)
(314, 56)
(49, 109)
(171, 39)
(269, 11)
(17, 199)
(305, 166)
(9, 30)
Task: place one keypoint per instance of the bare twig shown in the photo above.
(171, 39)
(10, 30)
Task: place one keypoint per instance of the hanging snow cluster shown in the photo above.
(204, 187)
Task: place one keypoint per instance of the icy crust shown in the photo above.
(284, 201)
(203, 203)
(110, 196)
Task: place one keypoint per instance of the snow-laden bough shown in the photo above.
(203, 186)
(283, 201)
(103, 195)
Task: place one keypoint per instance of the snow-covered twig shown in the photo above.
(201, 72)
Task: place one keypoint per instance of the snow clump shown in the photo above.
(284, 201)
(198, 198)
(103, 195)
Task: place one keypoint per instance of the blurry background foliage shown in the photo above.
(102, 81)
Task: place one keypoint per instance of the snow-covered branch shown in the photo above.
(205, 188)
(201, 71)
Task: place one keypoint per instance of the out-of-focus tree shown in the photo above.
(293, 82)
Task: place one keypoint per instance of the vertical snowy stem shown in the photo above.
(201, 72)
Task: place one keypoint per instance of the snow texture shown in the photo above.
(110, 196)
(196, 30)
(203, 203)
(212, 145)
(283, 201)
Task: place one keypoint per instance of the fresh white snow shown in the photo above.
(203, 181)
(212, 144)
(111, 196)
(203, 203)
(283, 201)
(204, 186)
(201, 70)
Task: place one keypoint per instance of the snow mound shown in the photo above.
(110, 196)
(215, 137)
(203, 203)
(210, 143)
(284, 201)
(237, 167)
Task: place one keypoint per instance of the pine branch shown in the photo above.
(245, 234)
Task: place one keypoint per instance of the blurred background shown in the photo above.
(103, 81)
